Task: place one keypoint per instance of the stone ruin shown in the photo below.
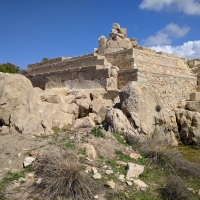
(117, 61)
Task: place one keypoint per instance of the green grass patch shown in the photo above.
(11, 176)
(120, 138)
(97, 132)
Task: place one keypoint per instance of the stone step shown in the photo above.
(66, 65)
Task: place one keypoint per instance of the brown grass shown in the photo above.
(62, 176)
(175, 189)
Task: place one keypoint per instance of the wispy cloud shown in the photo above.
(190, 49)
(189, 7)
(163, 37)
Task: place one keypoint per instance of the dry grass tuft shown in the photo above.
(154, 145)
(62, 177)
(175, 189)
(181, 165)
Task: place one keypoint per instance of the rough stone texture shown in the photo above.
(24, 111)
(195, 96)
(135, 155)
(55, 98)
(133, 171)
(97, 176)
(96, 104)
(28, 161)
(110, 184)
(84, 107)
(4, 130)
(193, 106)
(145, 109)
(90, 152)
(102, 45)
(116, 26)
(140, 185)
(189, 123)
(85, 122)
(118, 122)
(125, 43)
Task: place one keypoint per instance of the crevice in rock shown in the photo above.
(1, 122)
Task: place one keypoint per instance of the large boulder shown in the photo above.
(145, 109)
(189, 125)
(118, 122)
(27, 110)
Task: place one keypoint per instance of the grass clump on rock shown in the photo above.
(62, 176)
(97, 132)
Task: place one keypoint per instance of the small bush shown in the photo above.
(154, 145)
(175, 189)
(97, 133)
(180, 164)
(158, 108)
(62, 177)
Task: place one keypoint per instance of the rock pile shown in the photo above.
(117, 41)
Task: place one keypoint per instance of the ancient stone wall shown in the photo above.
(117, 61)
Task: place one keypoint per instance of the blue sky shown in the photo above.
(31, 30)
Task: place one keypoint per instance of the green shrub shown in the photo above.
(97, 132)
(9, 68)
(158, 108)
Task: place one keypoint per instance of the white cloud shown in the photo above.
(176, 31)
(162, 37)
(159, 39)
(189, 7)
(190, 49)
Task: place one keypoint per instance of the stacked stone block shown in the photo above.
(117, 41)
(117, 61)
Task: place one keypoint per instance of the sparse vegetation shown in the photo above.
(62, 177)
(158, 108)
(9, 68)
(97, 132)
(175, 189)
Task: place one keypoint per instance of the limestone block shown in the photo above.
(102, 40)
(69, 98)
(84, 105)
(109, 50)
(114, 35)
(85, 122)
(70, 108)
(92, 116)
(193, 106)
(114, 31)
(91, 152)
(133, 39)
(96, 104)
(97, 93)
(61, 119)
(118, 39)
(125, 43)
(4, 130)
(123, 31)
(58, 98)
(133, 171)
(113, 44)
(118, 122)
(102, 45)
(134, 43)
(195, 96)
(140, 185)
(116, 26)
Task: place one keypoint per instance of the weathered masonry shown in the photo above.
(117, 61)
